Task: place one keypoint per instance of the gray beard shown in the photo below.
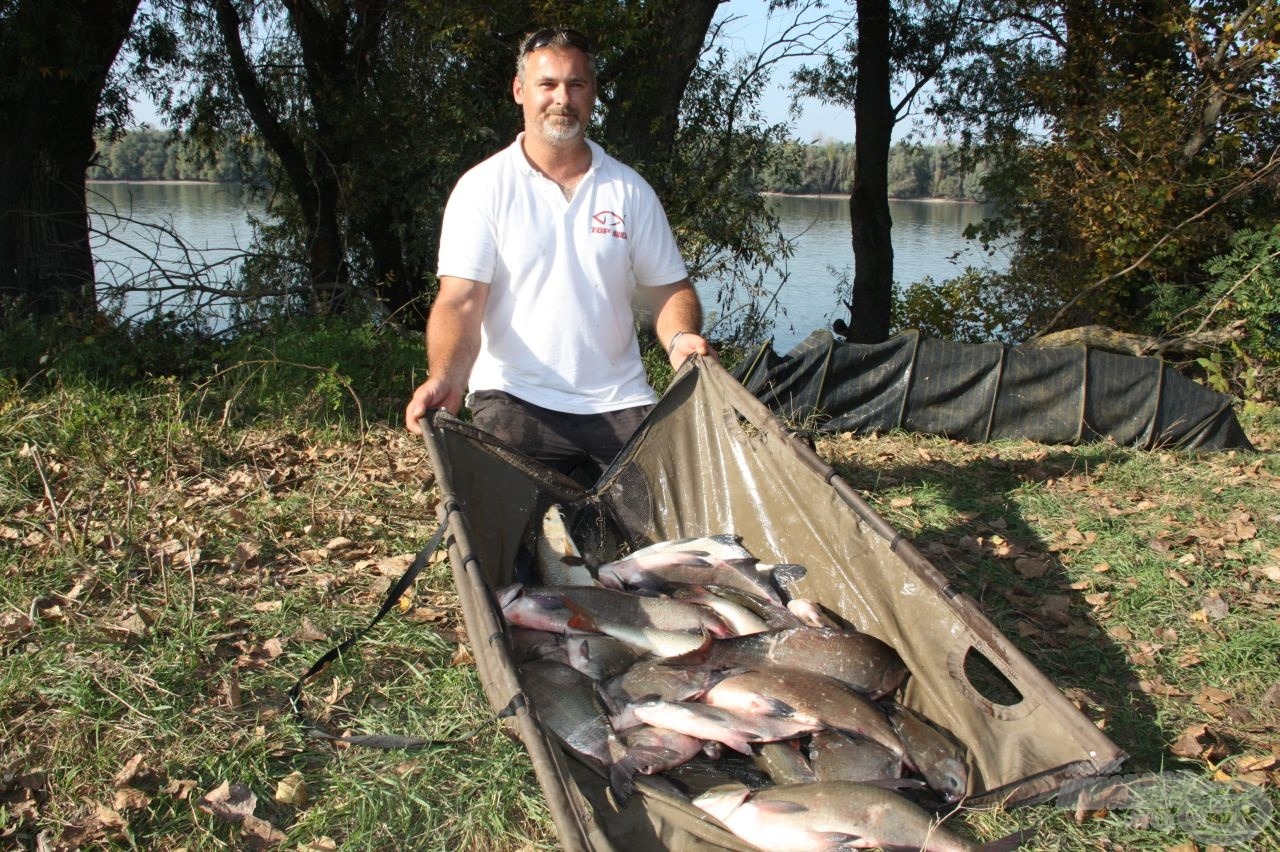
(561, 131)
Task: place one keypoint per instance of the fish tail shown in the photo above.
(622, 781)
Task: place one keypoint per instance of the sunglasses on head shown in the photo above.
(555, 37)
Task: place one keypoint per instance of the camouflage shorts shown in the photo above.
(566, 442)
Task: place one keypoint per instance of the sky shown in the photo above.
(747, 29)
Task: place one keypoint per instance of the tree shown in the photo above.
(55, 62)
(1128, 143)
(913, 46)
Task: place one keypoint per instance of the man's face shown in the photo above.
(557, 94)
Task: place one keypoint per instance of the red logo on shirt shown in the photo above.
(609, 223)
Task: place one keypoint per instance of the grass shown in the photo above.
(175, 552)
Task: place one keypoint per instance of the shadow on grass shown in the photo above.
(1046, 615)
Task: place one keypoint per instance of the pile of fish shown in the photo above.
(691, 662)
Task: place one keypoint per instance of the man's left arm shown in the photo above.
(677, 320)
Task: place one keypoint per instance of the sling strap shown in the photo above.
(381, 741)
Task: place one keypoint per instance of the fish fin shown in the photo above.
(1009, 842)
(778, 807)
(581, 619)
(607, 701)
(622, 781)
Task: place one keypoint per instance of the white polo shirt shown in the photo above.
(558, 329)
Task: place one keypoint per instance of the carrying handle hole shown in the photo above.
(989, 681)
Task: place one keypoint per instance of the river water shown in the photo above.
(209, 223)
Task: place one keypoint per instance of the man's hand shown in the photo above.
(432, 393)
(453, 340)
(685, 344)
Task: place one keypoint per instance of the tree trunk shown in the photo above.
(648, 80)
(55, 58)
(871, 302)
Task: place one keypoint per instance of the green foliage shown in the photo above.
(1245, 285)
(1125, 147)
(148, 154)
(915, 171)
(332, 368)
(975, 307)
(1242, 291)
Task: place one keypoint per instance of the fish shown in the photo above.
(527, 644)
(700, 775)
(536, 611)
(829, 816)
(565, 701)
(735, 729)
(859, 660)
(805, 697)
(660, 643)
(600, 657)
(774, 616)
(650, 678)
(784, 762)
(621, 607)
(721, 546)
(658, 571)
(836, 756)
(931, 753)
(559, 561)
(810, 613)
(741, 620)
(651, 750)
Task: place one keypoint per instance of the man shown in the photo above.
(542, 247)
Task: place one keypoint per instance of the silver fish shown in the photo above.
(565, 701)
(830, 816)
(862, 661)
(661, 643)
(649, 677)
(660, 571)
(621, 607)
(560, 563)
(735, 729)
(527, 644)
(931, 753)
(600, 657)
(784, 762)
(651, 750)
(836, 756)
(741, 620)
(723, 546)
(810, 613)
(821, 701)
(535, 611)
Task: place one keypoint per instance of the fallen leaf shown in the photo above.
(130, 798)
(901, 502)
(423, 614)
(308, 632)
(1194, 742)
(462, 657)
(247, 553)
(320, 844)
(179, 789)
(1214, 606)
(14, 625)
(292, 790)
(229, 802)
(259, 833)
(1031, 567)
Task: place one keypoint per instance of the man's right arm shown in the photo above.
(453, 342)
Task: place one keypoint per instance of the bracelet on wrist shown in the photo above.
(671, 347)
